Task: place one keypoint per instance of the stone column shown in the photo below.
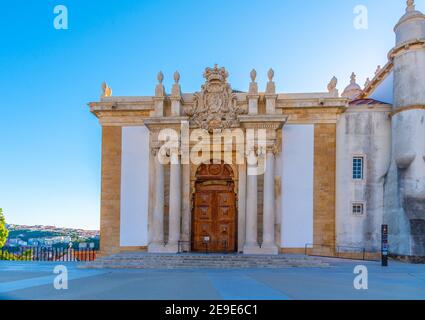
(175, 204)
(157, 244)
(269, 246)
(251, 241)
(241, 207)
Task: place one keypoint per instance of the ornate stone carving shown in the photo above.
(106, 90)
(332, 86)
(220, 171)
(410, 5)
(215, 107)
(367, 83)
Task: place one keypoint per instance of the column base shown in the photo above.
(269, 249)
(265, 250)
(172, 248)
(251, 249)
(156, 248)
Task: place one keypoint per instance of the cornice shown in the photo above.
(407, 108)
(406, 46)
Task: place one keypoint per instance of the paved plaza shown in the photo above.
(34, 280)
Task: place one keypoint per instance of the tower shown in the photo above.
(405, 187)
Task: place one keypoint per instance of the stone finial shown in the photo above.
(253, 75)
(410, 5)
(353, 90)
(106, 90)
(271, 88)
(367, 83)
(353, 78)
(270, 74)
(176, 77)
(378, 69)
(176, 91)
(160, 77)
(253, 86)
(160, 90)
(332, 86)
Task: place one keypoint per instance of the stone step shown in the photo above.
(199, 261)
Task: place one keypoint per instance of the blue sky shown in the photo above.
(50, 143)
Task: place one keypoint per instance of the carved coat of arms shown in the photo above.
(215, 107)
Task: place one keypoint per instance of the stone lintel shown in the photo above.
(158, 123)
(122, 118)
(272, 122)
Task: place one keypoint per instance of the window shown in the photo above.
(358, 209)
(358, 168)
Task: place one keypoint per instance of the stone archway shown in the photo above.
(214, 213)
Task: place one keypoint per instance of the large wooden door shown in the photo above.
(214, 213)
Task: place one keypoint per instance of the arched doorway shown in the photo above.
(214, 218)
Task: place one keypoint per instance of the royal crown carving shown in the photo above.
(215, 107)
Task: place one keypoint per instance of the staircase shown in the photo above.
(202, 261)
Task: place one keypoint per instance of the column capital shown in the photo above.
(255, 150)
(273, 148)
(154, 151)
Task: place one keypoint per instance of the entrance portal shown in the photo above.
(214, 220)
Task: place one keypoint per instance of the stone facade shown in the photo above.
(324, 184)
(110, 194)
(363, 157)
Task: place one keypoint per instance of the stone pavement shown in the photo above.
(34, 280)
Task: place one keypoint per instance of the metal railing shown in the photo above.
(342, 252)
(47, 254)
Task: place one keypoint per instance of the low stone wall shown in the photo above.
(409, 259)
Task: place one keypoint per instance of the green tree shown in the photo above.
(3, 231)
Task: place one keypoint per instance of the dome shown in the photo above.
(353, 90)
(411, 25)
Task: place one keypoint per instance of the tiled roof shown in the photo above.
(367, 101)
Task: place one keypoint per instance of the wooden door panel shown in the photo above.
(224, 213)
(203, 199)
(204, 213)
(225, 198)
(214, 209)
(225, 237)
(202, 230)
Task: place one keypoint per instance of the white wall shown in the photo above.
(297, 185)
(134, 186)
(366, 132)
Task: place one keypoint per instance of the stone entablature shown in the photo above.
(217, 96)
(284, 100)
